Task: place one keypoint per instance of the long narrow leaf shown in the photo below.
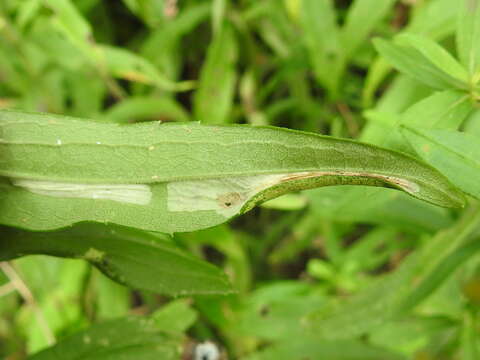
(180, 176)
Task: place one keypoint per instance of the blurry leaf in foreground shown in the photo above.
(127, 339)
(132, 257)
(298, 348)
(455, 154)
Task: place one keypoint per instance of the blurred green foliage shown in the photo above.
(343, 273)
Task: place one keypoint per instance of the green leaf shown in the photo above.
(435, 19)
(219, 8)
(135, 258)
(455, 154)
(442, 110)
(377, 206)
(409, 335)
(175, 317)
(27, 11)
(469, 339)
(362, 17)
(161, 47)
(298, 348)
(423, 60)
(366, 310)
(112, 299)
(438, 275)
(55, 284)
(151, 12)
(275, 312)
(70, 20)
(322, 39)
(436, 54)
(286, 202)
(127, 65)
(441, 255)
(141, 108)
(468, 35)
(213, 99)
(403, 92)
(180, 176)
(128, 338)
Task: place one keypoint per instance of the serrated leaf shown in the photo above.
(180, 176)
(132, 257)
(455, 154)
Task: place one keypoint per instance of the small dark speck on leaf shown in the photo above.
(229, 199)
(264, 311)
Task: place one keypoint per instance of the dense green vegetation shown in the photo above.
(337, 272)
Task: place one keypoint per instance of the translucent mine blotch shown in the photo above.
(139, 194)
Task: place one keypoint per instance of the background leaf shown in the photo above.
(322, 41)
(214, 95)
(129, 338)
(420, 58)
(468, 35)
(455, 153)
